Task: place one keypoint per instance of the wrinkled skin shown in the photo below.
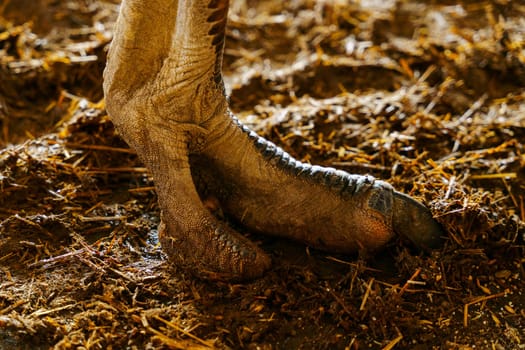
(165, 94)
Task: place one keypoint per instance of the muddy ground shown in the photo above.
(429, 96)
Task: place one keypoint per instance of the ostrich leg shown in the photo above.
(165, 94)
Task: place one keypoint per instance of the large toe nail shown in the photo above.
(413, 220)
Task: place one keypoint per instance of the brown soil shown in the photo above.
(429, 96)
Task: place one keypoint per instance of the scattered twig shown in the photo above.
(13, 306)
(408, 282)
(478, 300)
(367, 293)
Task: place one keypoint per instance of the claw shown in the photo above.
(412, 220)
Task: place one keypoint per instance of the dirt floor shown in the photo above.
(429, 96)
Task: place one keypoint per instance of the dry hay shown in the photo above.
(428, 97)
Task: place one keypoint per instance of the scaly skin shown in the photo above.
(164, 92)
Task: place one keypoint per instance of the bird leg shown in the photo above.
(164, 92)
